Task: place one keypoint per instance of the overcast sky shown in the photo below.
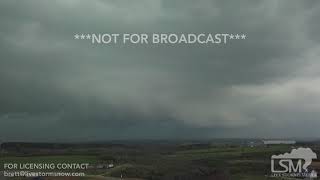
(53, 87)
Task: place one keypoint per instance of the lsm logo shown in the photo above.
(294, 164)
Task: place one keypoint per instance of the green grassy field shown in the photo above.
(49, 159)
(216, 162)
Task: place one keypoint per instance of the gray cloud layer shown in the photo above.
(56, 88)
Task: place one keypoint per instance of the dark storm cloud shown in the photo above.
(53, 87)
